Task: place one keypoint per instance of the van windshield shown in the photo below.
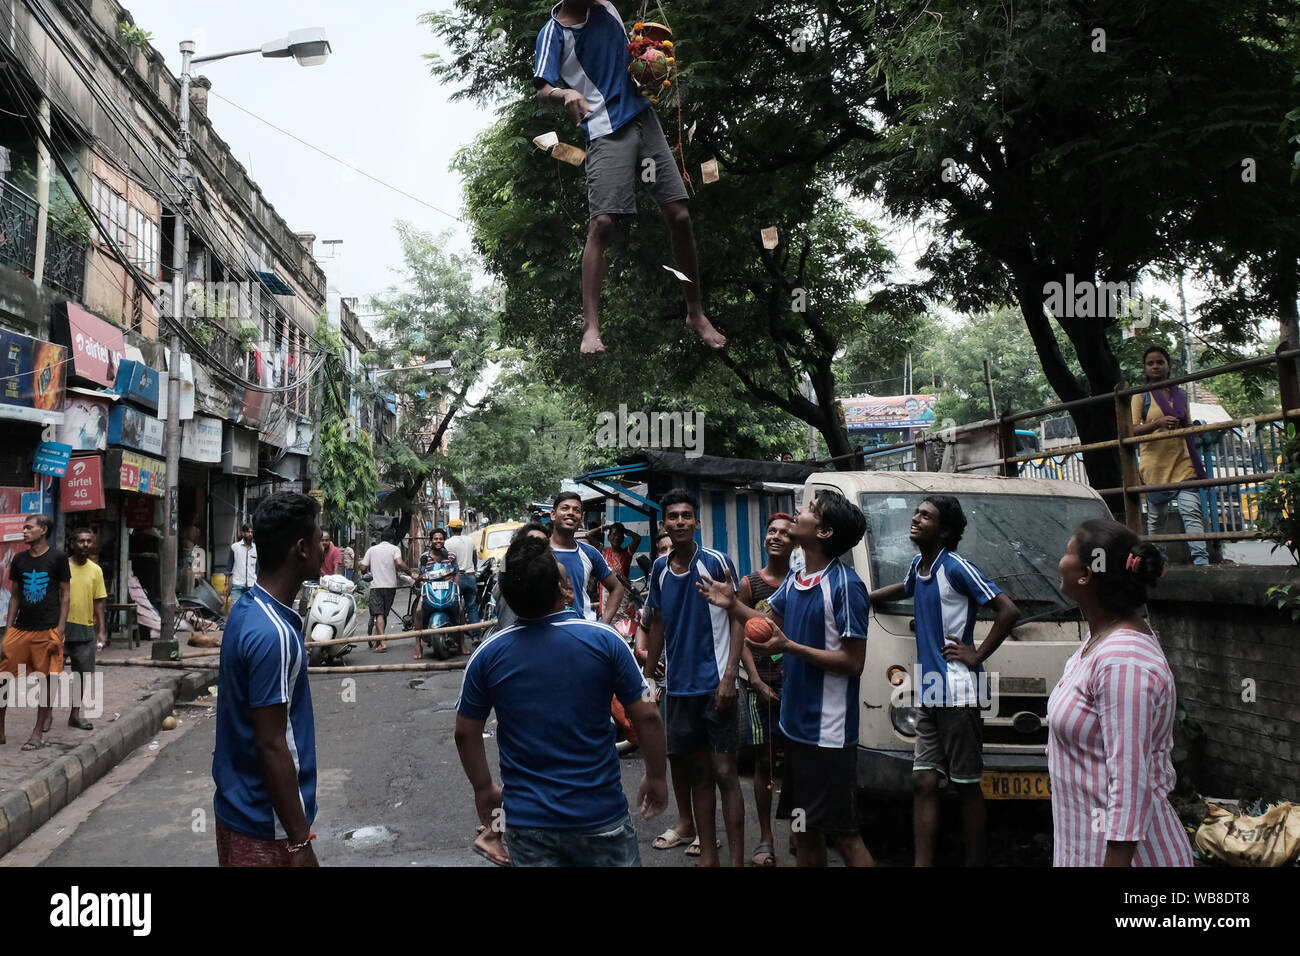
(499, 539)
(1016, 540)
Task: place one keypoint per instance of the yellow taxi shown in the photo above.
(492, 541)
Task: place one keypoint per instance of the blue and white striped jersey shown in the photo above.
(821, 610)
(944, 605)
(697, 635)
(591, 58)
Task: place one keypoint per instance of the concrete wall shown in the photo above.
(1226, 645)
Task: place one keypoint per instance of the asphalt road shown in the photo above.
(391, 792)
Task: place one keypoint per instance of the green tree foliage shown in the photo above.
(516, 446)
(437, 313)
(1103, 141)
(347, 471)
(786, 311)
(1094, 154)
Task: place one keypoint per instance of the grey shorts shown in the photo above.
(381, 601)
(617, 162)
(79, 656)
(950, 740)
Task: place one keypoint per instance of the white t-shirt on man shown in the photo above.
(381, 559)
(463, 548)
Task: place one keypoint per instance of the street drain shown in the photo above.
(369, 836)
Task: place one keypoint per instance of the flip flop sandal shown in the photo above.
(668, 839)
(694, 848)
(33, 745)
(81, 723)
(761, 849)
(484, 853)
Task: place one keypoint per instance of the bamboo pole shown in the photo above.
(387, 668)
(146, 662)
(403, 635)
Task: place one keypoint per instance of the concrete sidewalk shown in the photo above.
(36, 784)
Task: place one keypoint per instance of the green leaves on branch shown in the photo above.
(1278, 499)
(348, 474)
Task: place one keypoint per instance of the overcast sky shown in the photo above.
(372, 103)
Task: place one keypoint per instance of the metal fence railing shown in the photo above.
(1238, 454)
(65, 259)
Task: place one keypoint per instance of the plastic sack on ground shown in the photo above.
(1271, 839)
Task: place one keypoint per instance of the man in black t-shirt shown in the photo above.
(38, 617)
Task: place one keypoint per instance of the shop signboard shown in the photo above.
(138, 511)
(239, 452)
(83, 485)
(138, 383)
(85, 423)
(52, 458)
(11, 528)
(32, 372)
(96, 347)
(129, 471)
(135, 429)
(201, 439)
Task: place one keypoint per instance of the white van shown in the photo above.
(1017, 530)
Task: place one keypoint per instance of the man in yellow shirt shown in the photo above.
(1170, 460)
(85, 629)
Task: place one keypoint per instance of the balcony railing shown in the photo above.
(65, 259)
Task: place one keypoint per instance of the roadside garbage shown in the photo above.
(170, 723)
(1240, 839)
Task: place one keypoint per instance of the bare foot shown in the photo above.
(382, 648)
(705, 330)
(591, 343)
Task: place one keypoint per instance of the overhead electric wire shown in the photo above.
(149, 286)
(331, 156)
(127, 126)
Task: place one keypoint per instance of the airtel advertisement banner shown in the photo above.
(95, 346)
(83, 485)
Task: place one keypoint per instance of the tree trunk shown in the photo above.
(1094, 423)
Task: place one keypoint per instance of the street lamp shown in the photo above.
(310, 48)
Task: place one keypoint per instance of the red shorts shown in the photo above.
(40, 651)
(239, 849)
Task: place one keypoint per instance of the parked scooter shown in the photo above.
(440, 598)
(332, 614)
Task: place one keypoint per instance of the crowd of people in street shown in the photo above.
(797, 627)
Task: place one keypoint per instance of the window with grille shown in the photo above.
(138, 237)
(111, 209)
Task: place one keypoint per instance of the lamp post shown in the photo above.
(310, 48)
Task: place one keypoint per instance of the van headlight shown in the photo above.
(904, 719)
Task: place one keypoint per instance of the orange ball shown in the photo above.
(759, 630)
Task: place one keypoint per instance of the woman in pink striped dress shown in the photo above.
(1111, 715)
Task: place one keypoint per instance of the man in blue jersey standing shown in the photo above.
(264, 763)
(550, 679)
(584, 46)
(703, 670)
(947, 591)
(820, 615)
(583, 563)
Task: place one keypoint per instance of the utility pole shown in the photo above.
(180, 256)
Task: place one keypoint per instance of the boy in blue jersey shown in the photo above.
(584, 46)
(550, 679)
(820, 629)
(264, 762)
(947, 591)
(703, 669)
(583, 563)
